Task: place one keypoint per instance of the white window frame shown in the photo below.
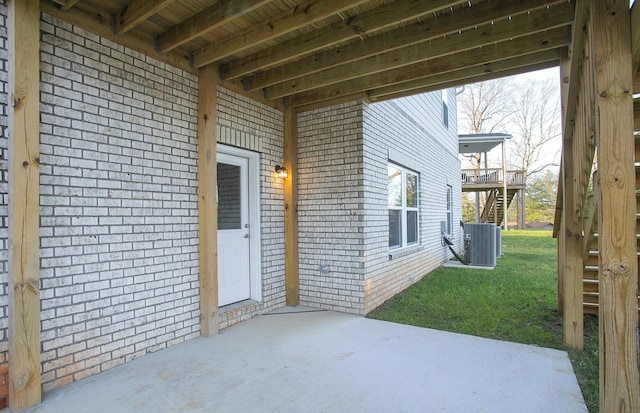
(449, 209)
(445, 107)
(404, 208)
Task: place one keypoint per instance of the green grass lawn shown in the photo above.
(515, 302)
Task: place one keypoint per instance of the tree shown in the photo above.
(541, 197)
(484, 108)
(535, 126)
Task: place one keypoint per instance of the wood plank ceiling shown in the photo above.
(304, 54)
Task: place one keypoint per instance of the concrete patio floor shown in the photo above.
(321, 361)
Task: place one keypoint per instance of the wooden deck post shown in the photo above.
(292, 281)
(561, 265)
(573, 260)
(618, 316)
(23, 25)
(521, 213)
(572, 234)
(207, 204)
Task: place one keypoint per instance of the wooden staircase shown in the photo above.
(495, 200)
(590, 273)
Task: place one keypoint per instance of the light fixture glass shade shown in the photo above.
(281, 171)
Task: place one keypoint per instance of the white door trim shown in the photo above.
(255, 233)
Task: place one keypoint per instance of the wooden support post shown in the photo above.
(292, 281)
(574, 264)
(618, 315)
(561, 265)
(572, 285)
(207, 203)
(23, 26)
(521, 213)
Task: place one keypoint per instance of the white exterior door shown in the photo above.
(234, 270)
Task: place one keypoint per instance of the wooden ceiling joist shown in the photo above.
(545, 59)
(205, 21)
(497, 74)
(299, 52)
(538, 42)
(68, 5)
(499, 28)
(401, 11)
(303, 15)
(470, 40)
(136, 12)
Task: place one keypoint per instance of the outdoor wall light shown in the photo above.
(281, 171)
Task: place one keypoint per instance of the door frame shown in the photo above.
(255, 233)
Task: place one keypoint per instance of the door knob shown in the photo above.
(246, 235)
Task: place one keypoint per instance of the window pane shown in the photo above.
(395, 228)
(229, 215)
(395, 186)
(449, 198)
(412, 190)
(412, 227)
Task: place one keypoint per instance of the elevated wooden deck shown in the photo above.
(492, 178)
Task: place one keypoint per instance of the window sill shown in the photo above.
(404, 251)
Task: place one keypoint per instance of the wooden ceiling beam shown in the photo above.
(502, 31)
(334, 101)
(507, 67)
(464, 81)
(68, 5)
(400, 11)
(305, 14)
(136, 12)
(205, 21)
(423, 31)
(535, 43)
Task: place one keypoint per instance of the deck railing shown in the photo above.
(492, 176)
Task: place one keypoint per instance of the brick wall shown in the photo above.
(119, 207)
(330, 208)
(246, 124)
(119, 217)
(343, 153)
(393, 132)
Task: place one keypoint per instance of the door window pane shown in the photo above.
(395, 228)
(229, 212)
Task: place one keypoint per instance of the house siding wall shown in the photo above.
(409, 132)
(331, 208)
(119, 207)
